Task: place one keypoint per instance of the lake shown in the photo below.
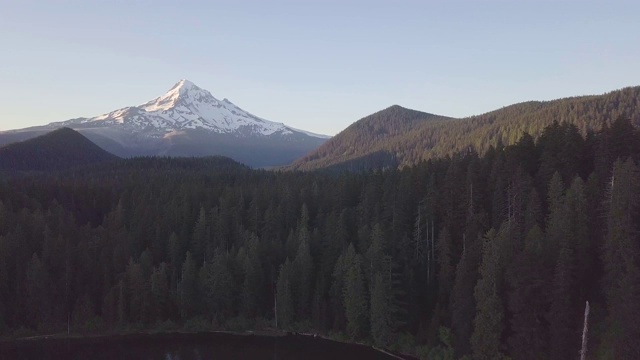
(187, 347)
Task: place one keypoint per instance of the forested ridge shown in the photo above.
(397, 137)
(58, 150)
(486, 256)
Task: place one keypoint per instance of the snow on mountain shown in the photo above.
(186, 106)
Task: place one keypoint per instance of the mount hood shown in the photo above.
(188, 121)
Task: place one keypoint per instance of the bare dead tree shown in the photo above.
(585, 331)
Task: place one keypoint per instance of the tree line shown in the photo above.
(401, 137)
(490, 256)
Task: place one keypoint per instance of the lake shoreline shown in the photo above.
(134, 335)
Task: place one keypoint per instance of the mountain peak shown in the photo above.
(187, 106)
(185, 84)
(184, 91)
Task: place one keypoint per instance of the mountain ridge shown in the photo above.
(422, 140)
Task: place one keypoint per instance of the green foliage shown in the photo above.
(385, 257)
(217, 287)
(381, 321)
(303, 274)
(621, 257)
(528, 300)
(463, 303)
(445, 350)
(285, 307)
(37, 292)
(253, 278)
(165, 326)
(489, 322)
(401, 137)
(355, 300)
(187, 288)
(197, 324)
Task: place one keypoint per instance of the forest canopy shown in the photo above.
(490, 255)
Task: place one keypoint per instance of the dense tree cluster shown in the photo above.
(401, 137)
(488, 256)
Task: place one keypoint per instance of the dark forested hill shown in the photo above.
(399, 137)
(372, 142)
(60, 149)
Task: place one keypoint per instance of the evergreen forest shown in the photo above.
(489, 255)
(399, 137)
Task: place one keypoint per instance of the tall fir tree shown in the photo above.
(356, 300)
(486, 340)
(621, 257)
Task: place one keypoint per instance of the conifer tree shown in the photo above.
(528, 302)
(445, 266)
(37, 294)
(160, 292)
(356, 300)
(253, 284)
(621, 257)
(218, 287)
(303, 274)
(200, 237)
(187, 288)
(339, 274)
(381, 305)
(463, 303)
(285, 310)
(489, 322)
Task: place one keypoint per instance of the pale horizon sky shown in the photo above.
(311, 64)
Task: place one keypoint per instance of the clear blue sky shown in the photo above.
(318, 65)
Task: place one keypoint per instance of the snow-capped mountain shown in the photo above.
(186, 106)
(189, 121)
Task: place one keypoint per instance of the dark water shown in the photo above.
(186, 347)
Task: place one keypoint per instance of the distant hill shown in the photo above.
(397, 136)
(373, 141)
(58, 150)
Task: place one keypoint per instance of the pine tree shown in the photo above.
(576, 212)
(568, 230)
(284, 309)
(252, 289)
(381, 317)
(621, 257)
(200, 237)
(160, 292)
(303, 274)
(341, 268)
(187, 288)
(37, 292)
(488, 324)
(356, 301)
(528, 302)
(136, 288)
(463, 303)
(445, 266)
(217, 287)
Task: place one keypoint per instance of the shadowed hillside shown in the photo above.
(60, 149)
